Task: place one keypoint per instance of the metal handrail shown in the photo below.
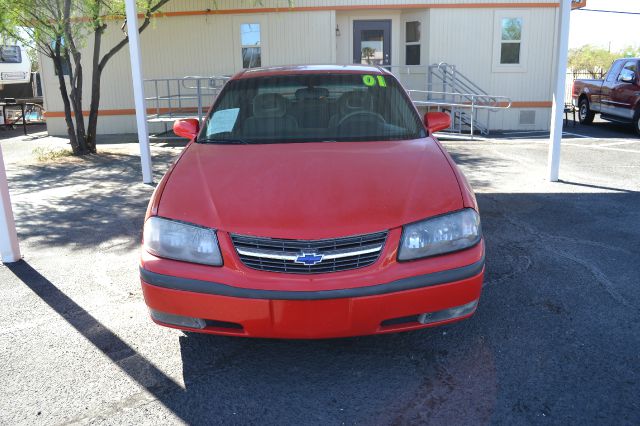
(211, 79)
(462, 79)
(473, 97)
(453, 81)
(473, 105)
(171, 98)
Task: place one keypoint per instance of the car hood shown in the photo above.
(310, 190)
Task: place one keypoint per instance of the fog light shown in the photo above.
(178, 320)
(446, 314)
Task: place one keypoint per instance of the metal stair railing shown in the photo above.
(449, 89)
(453, 81)
(451, 76)
(170, 99)
(454, 101)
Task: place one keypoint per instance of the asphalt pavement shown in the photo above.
(555, 340)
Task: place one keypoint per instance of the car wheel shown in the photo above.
(636, 122)
(585, 115)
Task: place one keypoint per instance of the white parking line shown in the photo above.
(462, 137)
(515, 138)
(525, 131)
(600, 147)
(523, 141)
(623, 142)
(577, 135)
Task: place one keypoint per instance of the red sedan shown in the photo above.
(313, 202)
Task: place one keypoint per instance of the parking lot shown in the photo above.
(555, 340)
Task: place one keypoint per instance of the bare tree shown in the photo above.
(60, 29)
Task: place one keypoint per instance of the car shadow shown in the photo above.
(602, 129)
(268, 381)
(553, 265)
(560, 296)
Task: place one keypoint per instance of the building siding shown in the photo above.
(185, 5)
(472, 53)
(208, 44)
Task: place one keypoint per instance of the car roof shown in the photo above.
(309, 69)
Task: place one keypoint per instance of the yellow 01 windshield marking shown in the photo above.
(371, 81)
(368, 80)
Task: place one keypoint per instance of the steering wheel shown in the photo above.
(351, 115)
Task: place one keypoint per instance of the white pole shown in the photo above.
(138, 90)
(9, 249)
(562, 43)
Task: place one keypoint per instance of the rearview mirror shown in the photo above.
(186, 128)
(436, 121)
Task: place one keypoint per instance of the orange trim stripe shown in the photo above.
(112, 112)
(337, 8)
(355, 7)
(530, 104)
(128, 111)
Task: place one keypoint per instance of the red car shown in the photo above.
(314, 202)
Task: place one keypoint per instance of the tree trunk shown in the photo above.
(57, 62)
(76, 77)
(95, 91)
(76, 101)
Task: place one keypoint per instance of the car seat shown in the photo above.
(270, 118)
(354, 101)
(312, 107)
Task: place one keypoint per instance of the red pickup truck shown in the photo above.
(616, 98)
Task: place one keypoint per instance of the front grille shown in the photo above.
(281, 255)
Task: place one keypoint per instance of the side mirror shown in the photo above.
(436, 121)
(627, 78)
(187, 128)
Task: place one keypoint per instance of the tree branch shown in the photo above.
(147, 20)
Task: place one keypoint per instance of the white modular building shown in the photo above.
(497, 53)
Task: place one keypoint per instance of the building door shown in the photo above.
(372, 42)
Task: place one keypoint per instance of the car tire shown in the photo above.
(636, 122)
(585, 115)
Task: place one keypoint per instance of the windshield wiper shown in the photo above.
(225, 141)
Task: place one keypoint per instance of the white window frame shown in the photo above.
(499, 15)
(412, 43)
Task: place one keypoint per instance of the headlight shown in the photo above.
(438, 235)
(181, 241)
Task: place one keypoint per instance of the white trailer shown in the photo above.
(15, 65)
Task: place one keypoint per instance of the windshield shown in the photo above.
(311, 108)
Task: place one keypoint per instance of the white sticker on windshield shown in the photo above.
(223, 121)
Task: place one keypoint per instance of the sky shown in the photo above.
(600, 29)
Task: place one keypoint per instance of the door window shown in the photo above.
(614, 71)
(372, 42)
(372, 47)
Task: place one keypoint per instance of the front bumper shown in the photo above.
(391, 307)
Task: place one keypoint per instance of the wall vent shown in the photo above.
(527, 118)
